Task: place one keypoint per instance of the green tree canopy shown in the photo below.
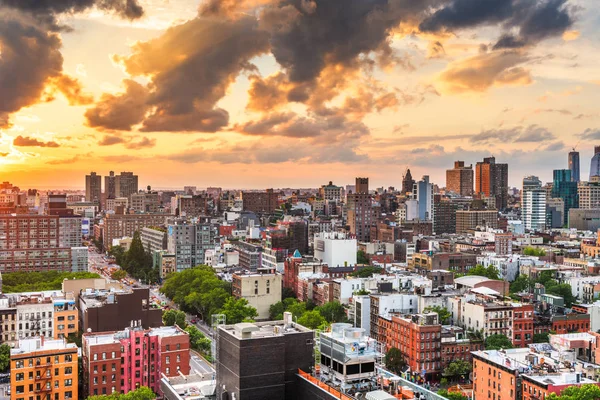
(546, 278)
(564, 290)
(479, 270)
(172, 317)
(521, 284)
(198, 341)
(4, 357)
(443, 314)
(361, 257)
(16, 282)
(287, 292)
(532, 251)
(312, 319)
(367, 272)
(497, 342)
(541, 337)
(142, 393)
(394, 360)
(118, 274)
(583, 392)
(458, 368)
(333, 312)
(451, 396)
(238, 310)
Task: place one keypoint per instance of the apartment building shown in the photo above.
(122, 361)
(189, 242)
(260, 202)
(117, 226)
(146, 202)
(260, 289)
(42, 368)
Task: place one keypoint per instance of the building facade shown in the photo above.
(93, 188)
(491, 180)
(460, 179)
(260, 289)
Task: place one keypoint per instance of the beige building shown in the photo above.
(589, 194)
(118, 226)
(260, 289)
(469, 220)
(147, 202)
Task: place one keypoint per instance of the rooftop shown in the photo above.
(565, 378)
(41, 344)
(260, 330)
(191, 387)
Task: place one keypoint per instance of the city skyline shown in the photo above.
(244, 105)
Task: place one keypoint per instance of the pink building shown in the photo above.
(125, 360)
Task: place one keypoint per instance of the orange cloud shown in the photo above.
(570, 35)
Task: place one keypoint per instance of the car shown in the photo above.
(194, 320)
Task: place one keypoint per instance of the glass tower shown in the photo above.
(595, 165)
(574, 165)
(566, 189)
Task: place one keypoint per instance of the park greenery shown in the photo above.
(582, 392)
(443, 314)
(4, 357)
(136, 261)
(394, 361)
(307, 314)
(16, 282)
(451, 396)
(497, 342)
(361, 257)
(141, 393)
(532, 251)
(174, 317)
(489, 272)
(524, 284)
(366, 272)
(199, 342)
(457, 369)
(200, 291)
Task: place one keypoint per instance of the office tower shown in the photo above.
(260, 202)
(563, 187)
(361, 214)
(589, 193)
(533, 204)
(110, 186)
(93, 187)
(595, 165)
(460, 179)
(126, 184)
(53, 365)
(122, 361)
(423, 194)
(445, 215)
(407, 182)
(189, 241)
(491, 180)
(574, 165)
(362, 185)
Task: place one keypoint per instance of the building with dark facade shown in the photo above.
(564, 188)
(103, 310)
(444, 215)
(491, 180)
(467, 220)
(407, 182)
(574, 166)
(460, 179)
(260, 361)
(260, 202)
(362, 185)
(297, 232)
(126, 184)
(110, 191)
(250, 255)
(361, 215)
(93, 187)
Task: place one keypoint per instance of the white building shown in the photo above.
(335, 249)
(577, 283)
(261, 291)
(423, 193)
(533, 211)
(412, 210)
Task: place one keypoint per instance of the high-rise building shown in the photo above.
(460, 179)
(407, 182)
(533, 204)
(574, 165)
(362, 185)
(491, 180)
(423, 194)
(93, 187)
(110, 186)
(467, 220)
(117, 226)
(331, 192)
(122, 361)
(589, 193)
(260, 202)
(595, 164)
(361, 214)
(40, 366)
(189, 241)
(148, 202)
(126, 184)
(563, 187)
(445, 215)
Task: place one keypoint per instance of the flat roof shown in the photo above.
(259, 330)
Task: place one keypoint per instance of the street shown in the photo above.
(200, 365)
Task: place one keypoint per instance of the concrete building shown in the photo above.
(110, 185)
(154, 238)
(283, 348)
(117, 226)
(69, 231)
(191, 205)
(533, 204)
(126, 184)
(491, 180)
(589, 193)
(93, 188)
(335, 249)
(146, 202)
(262, 290)
(188, 241)
(455, 262)
(361, 214)
(249, 255)
(122, 361)
(117, 204)
(460, 179)
(104, 310)
(584, 220)
(40, 366)
(468, 220)
(331, 192)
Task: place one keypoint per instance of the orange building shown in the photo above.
(66, 316)
(496, 375)
(44, 369)
(539, 387)
(522, 325)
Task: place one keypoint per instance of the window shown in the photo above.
(168, 360)
(68, 370)
(168, 347)
(168, 370)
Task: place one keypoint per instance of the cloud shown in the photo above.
(435, 49)
(561, 111)
(122, 111)
(480, 72)
(556, 146)
(590, 134)
(549, 95)
(110, 140)
(70, 160)
(121, 158)
(24, 141)
(431, 150)
(519, 134)
(142, 144)
(71, 89)
(570, 35)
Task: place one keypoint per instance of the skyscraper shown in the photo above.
(460, 179)
(110, 186)
(574, 165)
(533, 204)
(595, 165)
(126, 184)
(566, 189)
(93, 187)
(423, 193)
(491, 180)
(407, 182)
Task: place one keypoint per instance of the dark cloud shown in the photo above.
(111, 140)
(25, 141)
(534, 20)
(519, 134)
(142, 144)
(122, 111)
(590, 134)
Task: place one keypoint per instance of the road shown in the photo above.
(200, 365)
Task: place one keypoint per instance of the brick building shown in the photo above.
(260, 202)
(460, 179)
(468, 220)
(125, 360)
(117, 226)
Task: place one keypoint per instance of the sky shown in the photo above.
(294, 93)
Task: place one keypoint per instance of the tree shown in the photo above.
(118, 274)
(564, 290)
(16, 282)
(394, 360)
(458, 368)
(118, 252)
(443, 314)
(541, 337)
(361, 257)
(367, 272)
(75, 338)
(451, 396)
(497, 342)
(287, 293)
(333, 312)
(141, 393)
(546, 278)
(238, 310)
(583, 392)
(312, 319)
(4, 357)
(521, 284)
(198, 341)
(362, 292)
(479, 270)
(172, 317)
(532, 251)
